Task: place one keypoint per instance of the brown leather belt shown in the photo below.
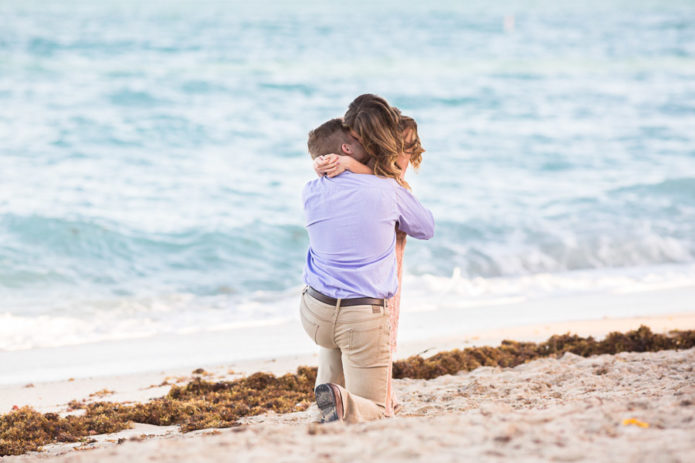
(345, 302)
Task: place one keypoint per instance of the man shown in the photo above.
(350, 273)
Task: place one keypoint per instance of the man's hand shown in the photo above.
(331, 165)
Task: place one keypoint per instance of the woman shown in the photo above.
(392, 141)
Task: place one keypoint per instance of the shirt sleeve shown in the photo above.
(413, 218)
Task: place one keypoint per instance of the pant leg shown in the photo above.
(330, 367)
(362, 334)
(318, 320)
(392, 404)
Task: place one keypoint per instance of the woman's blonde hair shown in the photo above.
(380, 128)
(414, 147)
(376, 123)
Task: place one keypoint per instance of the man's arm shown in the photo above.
(413, 218)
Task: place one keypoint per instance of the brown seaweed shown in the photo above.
(202, 404)
(512, 353)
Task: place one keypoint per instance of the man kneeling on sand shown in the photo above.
(350, 273)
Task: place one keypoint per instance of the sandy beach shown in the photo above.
(623, 407)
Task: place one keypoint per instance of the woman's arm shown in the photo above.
(353, 165)
(333, 164)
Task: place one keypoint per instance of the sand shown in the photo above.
(627, 407)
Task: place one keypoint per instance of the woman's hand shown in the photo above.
(331, 165)
(326, 164)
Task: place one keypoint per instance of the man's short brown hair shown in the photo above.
(328, 138)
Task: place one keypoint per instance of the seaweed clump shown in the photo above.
(202, 404)
(197, 405)
(25, 429)
(512, 353)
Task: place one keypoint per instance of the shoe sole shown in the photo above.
(326, 403)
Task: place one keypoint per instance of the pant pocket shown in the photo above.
(369, 347)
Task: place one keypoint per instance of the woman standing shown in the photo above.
(392, 141)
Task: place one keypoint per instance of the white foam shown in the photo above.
(431, 292)
(129, 318)
(185, 314)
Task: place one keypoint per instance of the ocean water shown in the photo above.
(152, 154)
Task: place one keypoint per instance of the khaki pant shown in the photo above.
(354, 353)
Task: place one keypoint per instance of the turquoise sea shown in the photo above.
(152, 154)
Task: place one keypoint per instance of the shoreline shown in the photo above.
(420, 328)
(53, 396)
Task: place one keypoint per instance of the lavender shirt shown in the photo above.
(351, 222)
